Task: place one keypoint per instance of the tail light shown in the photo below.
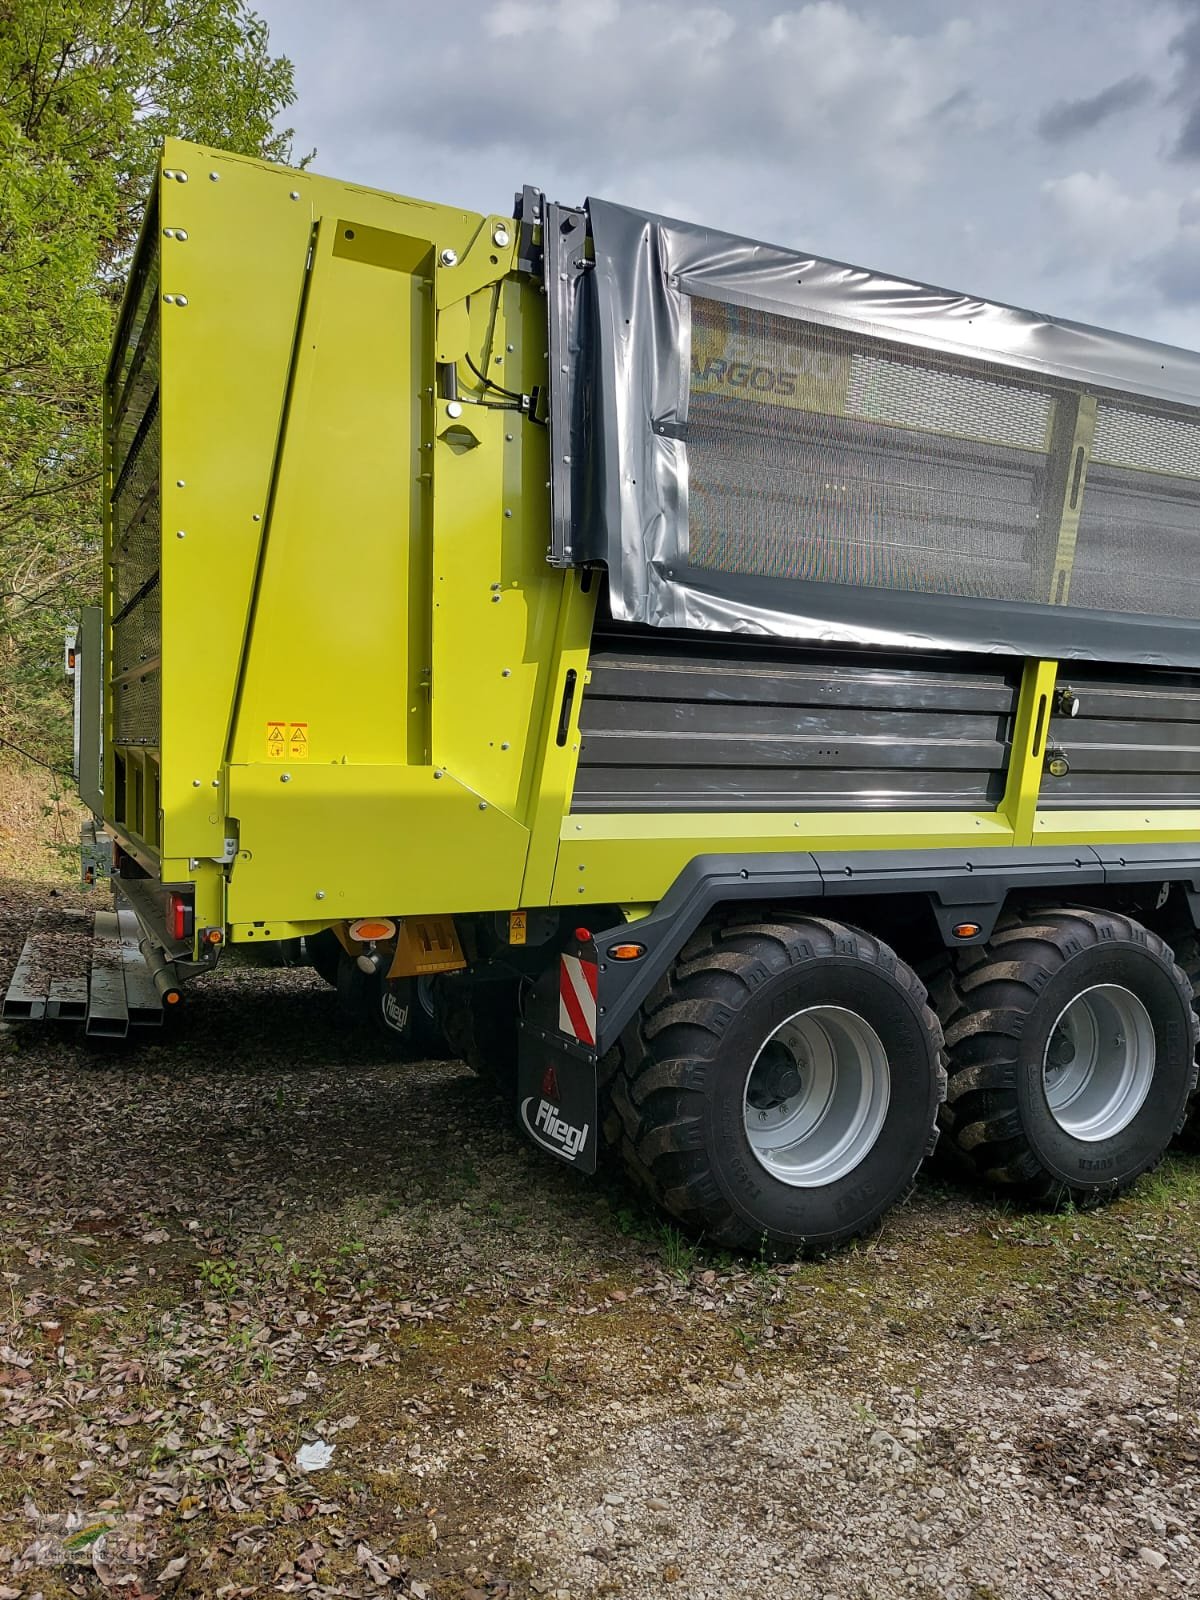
(179, 917)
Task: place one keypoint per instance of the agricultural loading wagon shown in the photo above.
(658, 649)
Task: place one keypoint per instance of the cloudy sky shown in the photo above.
(1045, 152)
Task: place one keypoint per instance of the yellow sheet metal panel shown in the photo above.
(327, 671)
(326, 840)
(233, 261)
(1176, 826)
(638, 856)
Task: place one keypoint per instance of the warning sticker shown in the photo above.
(518, 927)
(298, 741)
(276, 741)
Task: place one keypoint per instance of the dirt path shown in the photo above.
(259, 1233)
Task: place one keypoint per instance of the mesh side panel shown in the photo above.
(136, 521)
(1145, 442)
(1137, 544)
(811, 460)
(836, 501)
(136, 526)
(947, 402)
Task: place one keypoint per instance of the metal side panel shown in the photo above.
(745, 727)
(1133, 742)
(108, 1013)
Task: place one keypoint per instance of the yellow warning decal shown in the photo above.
(298, 741)
(518, 927)
(276, 741)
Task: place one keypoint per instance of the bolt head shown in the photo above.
(449, 258)
(454, 409)
(500, 237)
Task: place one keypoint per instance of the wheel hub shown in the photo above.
(1099, 1063)
(816, 1096)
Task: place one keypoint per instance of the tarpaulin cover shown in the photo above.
(784, 445)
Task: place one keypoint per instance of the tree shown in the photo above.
(88, 90)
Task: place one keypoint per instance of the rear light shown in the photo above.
(179, 917)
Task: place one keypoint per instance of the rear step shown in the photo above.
(103, 981)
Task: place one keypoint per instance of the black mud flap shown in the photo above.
(556, 1101)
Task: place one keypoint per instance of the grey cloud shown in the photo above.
(1187, 47)
(1175, 271)
(1069, 118)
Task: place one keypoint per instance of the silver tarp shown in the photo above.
(789, 446)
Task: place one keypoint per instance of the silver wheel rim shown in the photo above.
(816, 1096)
(1099, 1062)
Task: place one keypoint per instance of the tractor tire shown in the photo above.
(1187, 957)
(478, 1020)
(324, 952)
(779, 1089)
(1072, 1044)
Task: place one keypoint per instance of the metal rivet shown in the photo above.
(285, 777)
(500, 237)
(170, 299)
(449, 258)
(566, 461)
(181, 534)
(506, 672)
(507, 512)
(437, 772)
(454, 409)
(510, 348)
(495, 599)
(181, 299)
(168, 233)
(181, 177)
(168, 173)
(483, 805)
(181, 234)
(320, 894)
(179, 483)
(295, 195)
(215, 176)
(195, 783)
(504, 746)
(508, 436)
(256, 517)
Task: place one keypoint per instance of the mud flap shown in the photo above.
(557, 1091)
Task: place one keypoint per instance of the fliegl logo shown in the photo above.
(550, 1130)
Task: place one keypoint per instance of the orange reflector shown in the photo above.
(626, 952)
(172, 997)
(966, 930)
(368, 929)
(214, 936)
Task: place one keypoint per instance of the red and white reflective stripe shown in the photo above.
(577, 998)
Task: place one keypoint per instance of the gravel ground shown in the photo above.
(255, 1240)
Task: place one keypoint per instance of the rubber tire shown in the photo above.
(478, 1020)
(324, 952)
(673, 1087)
(998, 1004)
(1187, 957)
